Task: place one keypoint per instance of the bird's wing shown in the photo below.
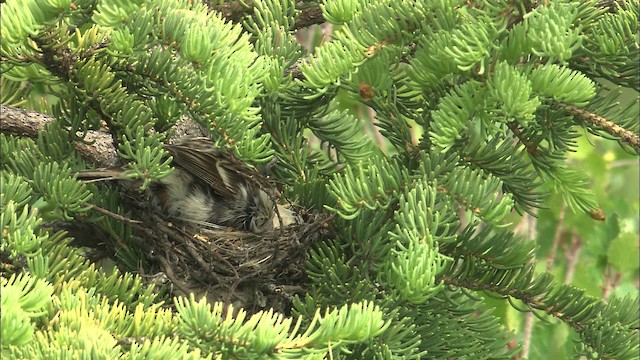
(218, 169)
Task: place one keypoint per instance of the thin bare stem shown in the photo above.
(611, 281)
(551, 257)
(115, 216)
(572, 254)
(527, 333)
(527, 227)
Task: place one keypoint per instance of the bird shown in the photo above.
(209, 187)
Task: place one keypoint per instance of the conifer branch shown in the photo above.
(132, 70)
(534, 301)
(628, 137)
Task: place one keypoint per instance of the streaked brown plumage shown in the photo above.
(209, 187)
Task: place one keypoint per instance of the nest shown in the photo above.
(252, 271)
(243, 269)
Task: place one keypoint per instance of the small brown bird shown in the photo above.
(208, 187)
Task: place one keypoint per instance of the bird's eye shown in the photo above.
(259, 223)
(256, 223)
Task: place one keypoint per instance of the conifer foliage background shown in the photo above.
(478, 106)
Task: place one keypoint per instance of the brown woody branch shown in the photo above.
(628, 137)
(531, 148)
(309, 13)
(98, 148)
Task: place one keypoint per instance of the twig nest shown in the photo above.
(253, 271)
